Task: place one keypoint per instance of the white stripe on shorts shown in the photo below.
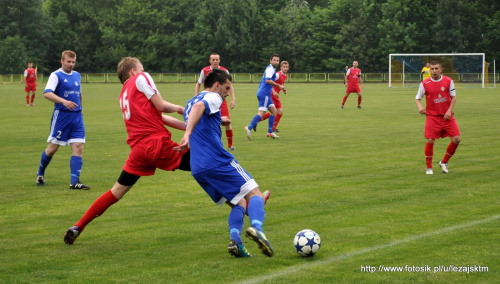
(240, 170)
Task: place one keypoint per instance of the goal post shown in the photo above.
(466, 69)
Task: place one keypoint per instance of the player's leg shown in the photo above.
(266, 116)
(273, 111)
(450, 129)
(47, 155)
(345, 99)
(359, 99)
(224, 111)
(236, 223)
(75, 165)
(32, 97)
(279, 112)
(257, 214)
(101, 204)
(429, 153)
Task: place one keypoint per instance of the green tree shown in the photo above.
(14, 55)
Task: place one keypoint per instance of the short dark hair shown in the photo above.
(216, 75)
(274, 55)
(435, 62)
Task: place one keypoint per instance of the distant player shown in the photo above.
(426, 71)
(216, 170)
(30, 84)
(280, 79)
(439, 92)
(150, 142)
(64, 88)
(352, 80)
(264, 97)
(214, 64)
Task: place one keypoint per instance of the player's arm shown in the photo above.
(233, 98)
(194, 116)
(173, 122)
(453, 96)
(272, 83)
(165, 106)
(360, 80)
(418, 99)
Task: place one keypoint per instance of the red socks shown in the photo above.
(32, 98)
(229, 135)
(449, 152)
(276, 121)
(359, 100)
(27, 99)
(97, 209)
(343, 101)
(429, 152)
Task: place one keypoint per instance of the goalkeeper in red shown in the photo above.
(440, 98)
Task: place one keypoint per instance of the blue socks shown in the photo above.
(235, 222)
(256, 212)
(254, 122)
(44, 163)
(271, 124)
(75, 164)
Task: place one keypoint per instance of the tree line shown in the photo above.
(179, 35)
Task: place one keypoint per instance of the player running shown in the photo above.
(352, 80)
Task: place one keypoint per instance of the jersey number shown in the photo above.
(124, 105)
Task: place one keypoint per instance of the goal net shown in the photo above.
(468, 70)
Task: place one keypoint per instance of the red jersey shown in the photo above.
(30, 75)
(438, 95)
(141, 117)
(204, 72)
(352, 77)
(281, 80)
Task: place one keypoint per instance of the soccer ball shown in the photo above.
(307, 242)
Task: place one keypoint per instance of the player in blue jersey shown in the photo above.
(265, 100)
(216, 170)
(66, 127)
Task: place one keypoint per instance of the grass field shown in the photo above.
(356, 177)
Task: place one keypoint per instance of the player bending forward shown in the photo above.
(440, 97)
(216, 170)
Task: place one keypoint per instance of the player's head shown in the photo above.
(128, 67)
(355, 64)
(214, 60)
(436, 69)
(30, 64)
(428, 64)
(68, 60)
(218, 81)
(284, 66)
(275, 60)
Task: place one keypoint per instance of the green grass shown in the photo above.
(357, 177)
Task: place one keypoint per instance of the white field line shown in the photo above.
(302, 267)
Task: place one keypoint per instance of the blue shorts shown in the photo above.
(265, 102)
(66, 127)
(230, 182)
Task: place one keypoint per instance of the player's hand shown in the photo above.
(447, 115)
(225, 121)
(180, 110)
(233, 104)
(70, 105)
(183, 145)
(421, 110)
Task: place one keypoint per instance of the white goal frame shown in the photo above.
(435, 54)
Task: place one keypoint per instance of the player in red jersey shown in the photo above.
(280, 79)
(224, 111)
(150, 142)
(440, 98)
(30, 84)
(352, 80)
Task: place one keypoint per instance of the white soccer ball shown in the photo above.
(307, 242)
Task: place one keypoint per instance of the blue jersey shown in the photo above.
(66, 86)
(207, 151)
(264, 88)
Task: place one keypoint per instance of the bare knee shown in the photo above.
(455, 140)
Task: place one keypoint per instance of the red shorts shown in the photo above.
(353, 89)
(30, 87)
(224, 111)
(276, 101)
(436, 127)
(152, 153)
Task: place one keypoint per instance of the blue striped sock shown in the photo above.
(236, 222)
(75, 164)
(44, 163)
(256, 212)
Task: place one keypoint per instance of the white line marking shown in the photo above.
(301, 267)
